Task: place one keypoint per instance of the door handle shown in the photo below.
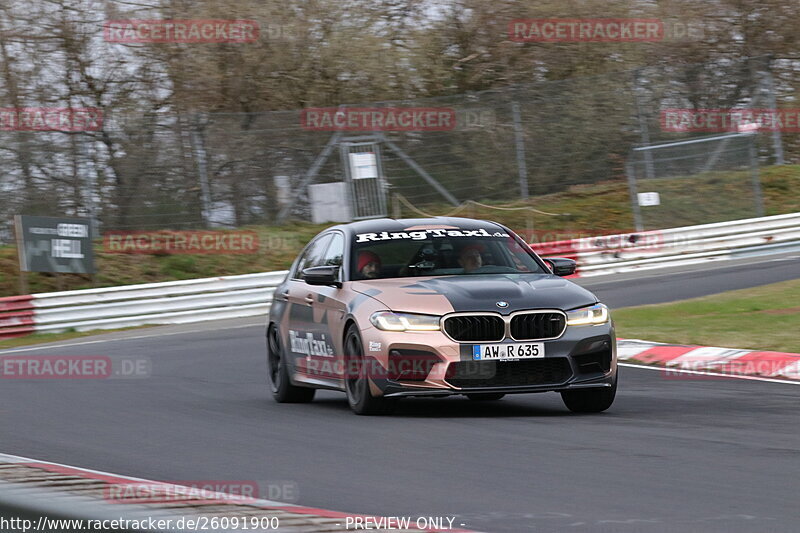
(309, 299)
(285, 295)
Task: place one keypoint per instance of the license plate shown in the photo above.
(507, 350)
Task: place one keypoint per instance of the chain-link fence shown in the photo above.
(233, 169)
(697, 181)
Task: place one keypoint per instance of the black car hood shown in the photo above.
(478, 293)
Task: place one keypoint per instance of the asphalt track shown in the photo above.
(671, 455)
(679, 283)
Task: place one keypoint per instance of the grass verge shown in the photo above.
(761, 318)
(42, 338)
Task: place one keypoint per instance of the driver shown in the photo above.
(369, 265)
(470, 257)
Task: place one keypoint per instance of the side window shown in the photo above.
(312, 255)
(335, 253)
(300, 262)
(318, 251)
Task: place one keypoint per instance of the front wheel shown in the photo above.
(590, 400)
(278, 373)
(361, 400)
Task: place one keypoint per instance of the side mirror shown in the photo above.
(561, 266)
(322, 275)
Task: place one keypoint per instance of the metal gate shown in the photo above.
(364, 175)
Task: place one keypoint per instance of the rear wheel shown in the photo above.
(360, 398)
(278, 373)
(485, 396)
(590, 400)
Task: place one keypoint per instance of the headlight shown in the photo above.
(388, 321)
(588, 316)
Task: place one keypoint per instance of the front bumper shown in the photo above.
(583, 357)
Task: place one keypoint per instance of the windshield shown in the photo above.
(439, 252)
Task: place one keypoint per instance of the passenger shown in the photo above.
(369, 265)
(470, 257)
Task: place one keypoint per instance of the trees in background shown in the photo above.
(180, 115)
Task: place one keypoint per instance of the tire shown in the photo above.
(590, 400)
(485, 396)
(278, 373)
(361, 400)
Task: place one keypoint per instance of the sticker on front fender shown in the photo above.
(508, 350)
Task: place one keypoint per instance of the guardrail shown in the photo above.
(178, 302)
(173, 302)
(627, 252)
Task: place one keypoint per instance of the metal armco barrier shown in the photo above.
(178, 302)
(608, 254)
(16, 316)
(173, 302)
